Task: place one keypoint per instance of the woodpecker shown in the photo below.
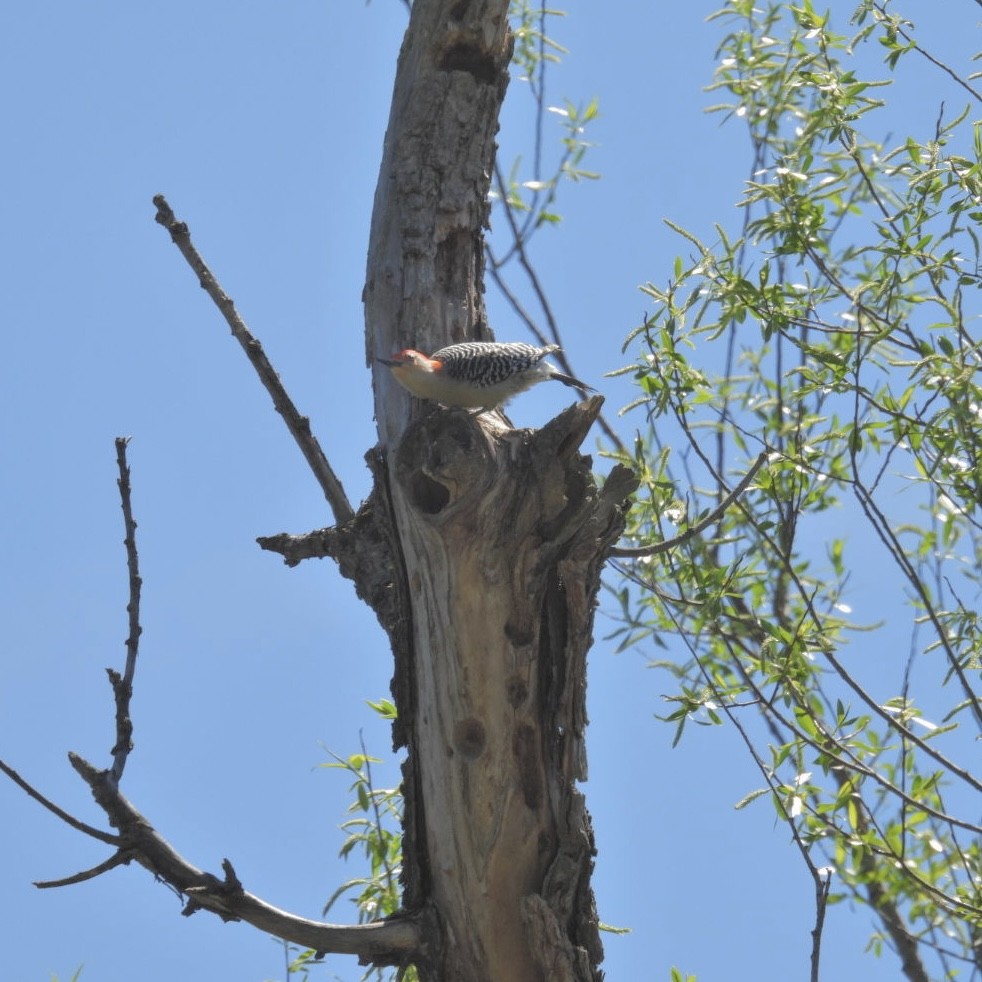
(476, 374)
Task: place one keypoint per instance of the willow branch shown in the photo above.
(714, 516)
(494, 267)
(895, 24)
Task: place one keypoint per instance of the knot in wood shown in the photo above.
(469, 738)
(518, 691)
(443, 460)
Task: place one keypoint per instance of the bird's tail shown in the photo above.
(573, 382)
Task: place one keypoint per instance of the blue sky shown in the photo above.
(263, 123)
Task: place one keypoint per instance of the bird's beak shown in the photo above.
(387, 361)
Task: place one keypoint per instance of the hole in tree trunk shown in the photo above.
(429, 496)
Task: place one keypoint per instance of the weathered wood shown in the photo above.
(497, 540)
(426, 253)
(503, 533)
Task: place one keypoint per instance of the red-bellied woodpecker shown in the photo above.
(476, 374)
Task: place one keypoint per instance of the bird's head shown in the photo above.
(408, 360)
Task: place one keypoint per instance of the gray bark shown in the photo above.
(495, 539)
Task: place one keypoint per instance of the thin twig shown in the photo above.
(700, 526)
(113, 840)
(120, 858)
(823, 883)
(894, 23)
(123, 685)
(518, 249)
(299, 426)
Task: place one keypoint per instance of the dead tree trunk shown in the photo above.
(502, 533)
(500, 536)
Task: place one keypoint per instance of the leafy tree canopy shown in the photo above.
(835, 333)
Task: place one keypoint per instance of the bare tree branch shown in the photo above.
(363, 549)
(387, 942)
(391, 942)
(123, 684)
(316, 544)
(107, 837)
(299, 426)
(120, 858)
